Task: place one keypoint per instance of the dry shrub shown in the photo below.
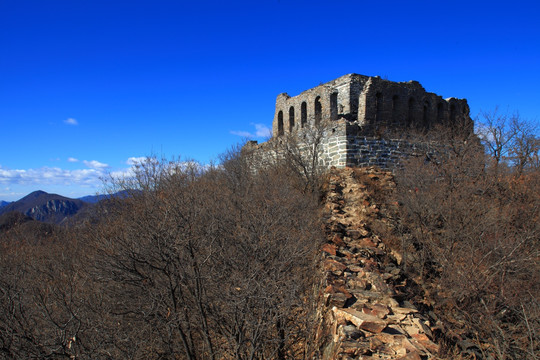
(472, 235)
(196, 263)
(209, 262)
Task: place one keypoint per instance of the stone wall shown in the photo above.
(333, 100)
(338, 146)
(384, 153)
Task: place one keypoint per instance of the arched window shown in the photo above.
(440, 113)
(410, 118)
(280, 123)
(452, 113)
(291, 119)
(378, 107)
(303, 114)
(318, 110)
(395, 101)
(425, 118)
(333, 106)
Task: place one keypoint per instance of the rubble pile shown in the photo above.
(364, 318)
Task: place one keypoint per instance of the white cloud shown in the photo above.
(122, 173)
(15, 183)
(7, 194)
(136, 160)
(245, 134)
(55, 175)
(261, 131)
(72, 159)
(50, 176)
(133, 163)
(94, 164)
(71, 121)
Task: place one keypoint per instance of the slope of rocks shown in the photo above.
(363, 312)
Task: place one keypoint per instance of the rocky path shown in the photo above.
(364, 316)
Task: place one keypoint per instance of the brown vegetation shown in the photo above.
(198, 263)
(219, 262)
(471, 232)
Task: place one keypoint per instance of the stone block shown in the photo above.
(333, 265)
(362, 321)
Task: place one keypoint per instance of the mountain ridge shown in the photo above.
(54, 208)
(46, 207)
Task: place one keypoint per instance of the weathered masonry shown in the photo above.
(353, 112)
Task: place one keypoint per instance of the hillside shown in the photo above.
(16, 225)
(397, 286)
(371, 265)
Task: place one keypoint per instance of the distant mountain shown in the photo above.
(3, 203)
(92, 199)
(42, 206)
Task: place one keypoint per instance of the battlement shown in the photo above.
(369, 102)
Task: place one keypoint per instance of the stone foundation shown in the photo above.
(338, 146)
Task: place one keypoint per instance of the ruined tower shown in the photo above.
(355, 110)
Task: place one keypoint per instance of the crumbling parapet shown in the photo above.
(369, 102)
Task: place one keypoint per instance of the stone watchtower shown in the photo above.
(354, 110)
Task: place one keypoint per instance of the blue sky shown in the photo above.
(86, 87)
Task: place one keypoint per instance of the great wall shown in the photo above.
(356, 128)
(366, 308)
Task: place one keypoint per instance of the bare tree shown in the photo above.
(192, 262)
(525, 145)
(206, 263)
(302, 151)
(497, 133)
(509, 139)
